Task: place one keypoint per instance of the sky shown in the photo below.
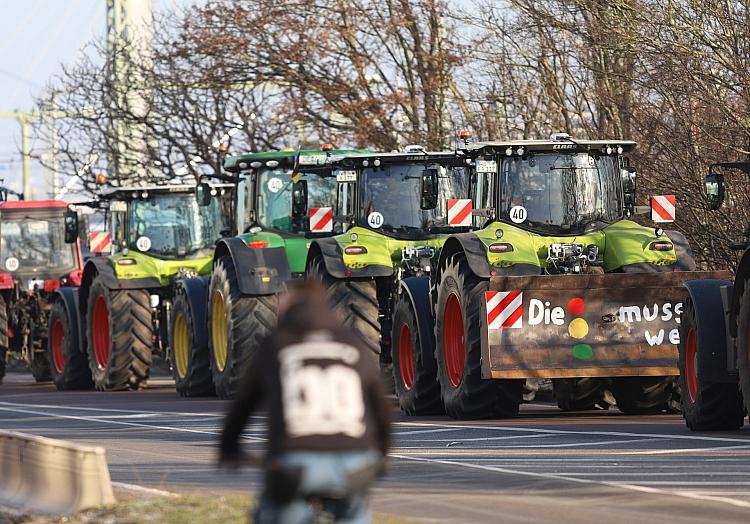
(36, 38)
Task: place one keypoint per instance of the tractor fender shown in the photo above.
(69, 298)
(103, 268)
(685, 260)
(713, 357)
(196, 291)
(333, 258)
(260, 271)
(417, 289)
(476, 256)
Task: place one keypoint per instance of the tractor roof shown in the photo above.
(33, 204)
(400, 157)
(308, 157)
(125, 193)
(559, 145)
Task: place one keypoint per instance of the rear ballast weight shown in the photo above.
(597, 325)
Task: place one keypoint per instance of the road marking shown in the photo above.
(166, 413)
(674, 451)
(553, 476)
(143, 489)
(583, 433)
(120, 423)
(458, 442)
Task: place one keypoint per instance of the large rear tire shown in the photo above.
(356, 302)
(465, 394)
(118, 330)
(414, 365)
(580, 394)
(705, 405)
(237, 325)
(743, 345)
(70, 367)
(3, 337)
(189, 356)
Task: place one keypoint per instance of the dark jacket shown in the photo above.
(321, 388)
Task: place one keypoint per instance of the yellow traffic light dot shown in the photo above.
(578, 328)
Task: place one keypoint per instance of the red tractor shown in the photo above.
(39, 253)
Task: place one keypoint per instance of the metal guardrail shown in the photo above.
(49, 476)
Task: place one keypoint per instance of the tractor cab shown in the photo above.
(401, 195)
(276, 190)
(34, 246)
(556, 187)
(167, 222)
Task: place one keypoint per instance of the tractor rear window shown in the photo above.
(390, 199)
(30, 245)
(174, 225)
(283, 205)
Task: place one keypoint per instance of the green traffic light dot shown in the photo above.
(583, 351)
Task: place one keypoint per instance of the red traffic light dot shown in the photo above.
(576, 306)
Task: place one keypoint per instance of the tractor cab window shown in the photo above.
(283, 205)
(390, 199)
(173, 225)
(561, 193)
(34, 244)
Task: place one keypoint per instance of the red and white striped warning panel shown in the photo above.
(663, 208)
(504, 309)
(100, 242)
(459, 212)
(321, 219)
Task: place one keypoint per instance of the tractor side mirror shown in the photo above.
(628, 186)
(299, 199)
(429, 189)
(71, 226)
(203, 194)
(715, 190)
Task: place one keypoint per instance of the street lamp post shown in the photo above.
(24, 119)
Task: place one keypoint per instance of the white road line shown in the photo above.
(688, 436)
(143, 489)
(689, 471)
(102, 410)
(475, 439)
(677, 483)
(675, 451)
(552, 476)
(121, 423)
(539, 446)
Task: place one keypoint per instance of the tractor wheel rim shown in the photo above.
(181, 345)
(691, 366)
(406, 356)
(57, 341)
(100, 331)
(453, 340)
(219, 331)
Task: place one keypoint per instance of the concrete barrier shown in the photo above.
(43, 475)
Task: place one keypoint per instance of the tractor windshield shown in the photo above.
(561, 193)
(35, 245)
(283, 205)
(390, 199)
(173, 225)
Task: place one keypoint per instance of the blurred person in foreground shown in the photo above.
(328, 427)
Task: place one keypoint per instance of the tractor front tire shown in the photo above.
(237, 326)
(70, 367)
(414, 365)
(119, 330)
(642, 395)
(580, 394)
(40, 365)
(465, 394)
(190, 358)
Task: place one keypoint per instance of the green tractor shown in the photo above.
(220, 321)
(555, 282)
(391, 221)
(120, 314)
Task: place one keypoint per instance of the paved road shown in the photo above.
(543, 466)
